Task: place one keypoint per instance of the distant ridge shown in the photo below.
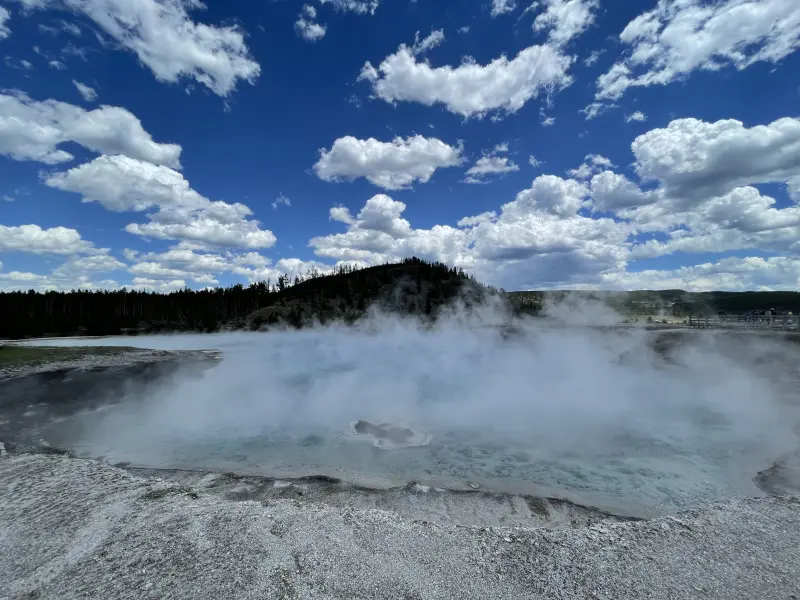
(677, 302)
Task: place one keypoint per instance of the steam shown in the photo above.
(610, 417)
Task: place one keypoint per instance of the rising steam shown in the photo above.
(621, 417)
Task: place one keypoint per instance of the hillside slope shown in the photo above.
(412, 287)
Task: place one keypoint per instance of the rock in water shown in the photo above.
(389, 437)
(398, 435)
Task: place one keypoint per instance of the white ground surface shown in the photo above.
(74, 528)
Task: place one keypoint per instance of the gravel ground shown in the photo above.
(476, 508)
(73, 528)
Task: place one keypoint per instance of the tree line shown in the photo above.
(111, 312)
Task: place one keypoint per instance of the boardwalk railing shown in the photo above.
(783, 322)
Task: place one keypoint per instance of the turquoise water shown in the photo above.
(549, 413)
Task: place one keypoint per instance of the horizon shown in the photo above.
(308, 276)
(560, 145)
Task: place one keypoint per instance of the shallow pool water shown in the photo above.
(599, 418)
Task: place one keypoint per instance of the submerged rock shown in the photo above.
(387, 436)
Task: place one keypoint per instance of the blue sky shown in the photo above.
(553, 144)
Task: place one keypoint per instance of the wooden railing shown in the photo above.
(783, 322)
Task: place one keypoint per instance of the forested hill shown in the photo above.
(411, 287)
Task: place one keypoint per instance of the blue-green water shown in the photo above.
(548, 412)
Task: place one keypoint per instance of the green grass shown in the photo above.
(13, 356)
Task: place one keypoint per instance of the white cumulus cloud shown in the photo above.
(379, 233)
(65, 278)
(306, 25)
(550, 194)
(733, 274)
(79, 266)
(121, 183)
(32, 130)
(695, 159)
(34, 239)
(793, 188)
(696, 192)
(219, 225)
(491, 163)
(741, 219)
(470, 89)
(158, 286)
(612, 192)
(5, 16)
(677, 38)
(165, 38)
(536, 240)
(592, 163)
(390, 165)
(565, 19)
(292, 267)
(201, 267)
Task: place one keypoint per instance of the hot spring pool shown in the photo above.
(599, 418)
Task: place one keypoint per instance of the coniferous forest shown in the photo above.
(412, 286)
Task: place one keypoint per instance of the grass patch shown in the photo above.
(14, 356)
